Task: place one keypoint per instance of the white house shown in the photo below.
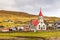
(20, 28)
(13, 28)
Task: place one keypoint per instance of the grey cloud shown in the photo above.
(32, 6)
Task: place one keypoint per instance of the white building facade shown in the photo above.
(41, 25)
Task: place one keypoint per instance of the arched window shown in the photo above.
(43, 26)
(39, 26)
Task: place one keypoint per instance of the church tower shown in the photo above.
(41, 25)
(40, 17)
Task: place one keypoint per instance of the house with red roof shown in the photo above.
(5, 30)
(39, 23)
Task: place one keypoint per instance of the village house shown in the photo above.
(20, 28)
(32, 27)
(57, 25)
(1, 27)
(50, 26)
(26, 28)
(5, 30)
(10, 21)
(39, 23)
(12, 28)
(5, 21)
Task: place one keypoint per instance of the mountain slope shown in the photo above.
(22, 16)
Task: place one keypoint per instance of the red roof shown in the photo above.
(40, 14)
(5, 28)
(35, 22)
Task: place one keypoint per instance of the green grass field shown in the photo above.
(45, 34)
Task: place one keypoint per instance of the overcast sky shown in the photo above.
(49, 7)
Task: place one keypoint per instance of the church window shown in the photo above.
(43, 26)
(39, 26)
(41, 22)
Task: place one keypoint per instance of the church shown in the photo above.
(39, 23)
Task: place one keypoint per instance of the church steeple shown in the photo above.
(40, 14)
(40, 18)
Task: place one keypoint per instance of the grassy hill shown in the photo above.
(15, 15)
(20, 16)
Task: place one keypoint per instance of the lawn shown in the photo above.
(45, 34)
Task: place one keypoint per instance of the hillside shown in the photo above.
(9, 13)
(21, 16)
(15, 15)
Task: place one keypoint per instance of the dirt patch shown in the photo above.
(30, 38)
(25, 38)
(54, 38)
